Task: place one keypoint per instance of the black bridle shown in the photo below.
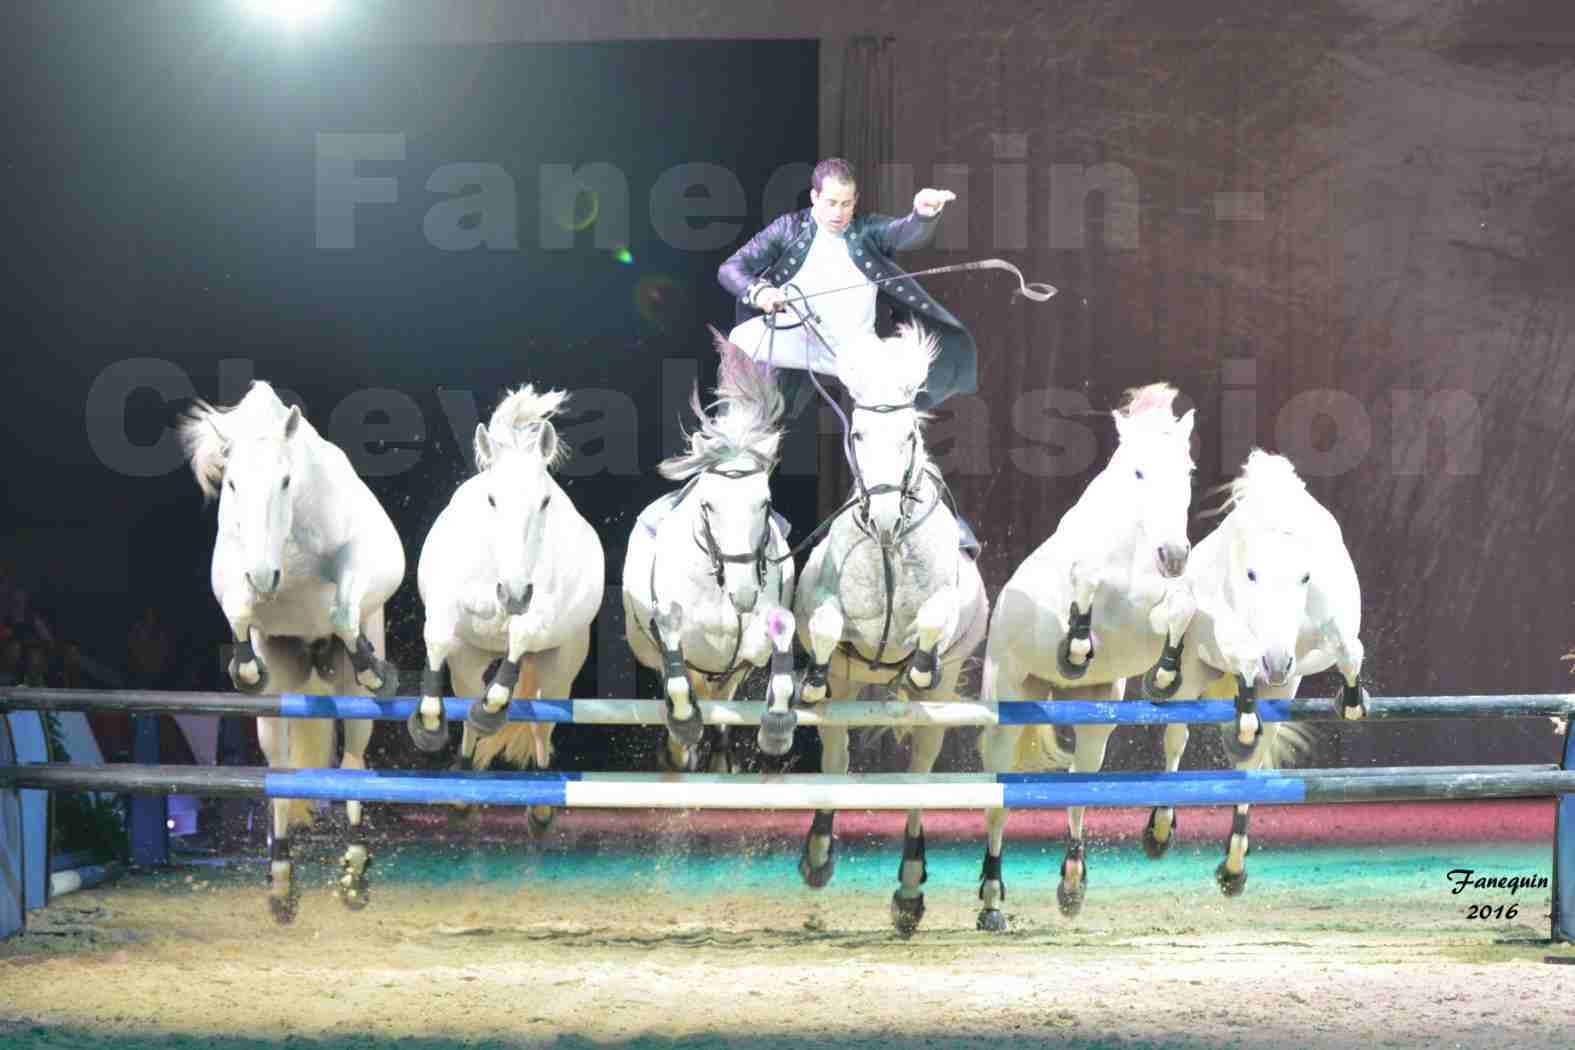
(707, 541)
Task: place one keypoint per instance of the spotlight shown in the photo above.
(292, 13)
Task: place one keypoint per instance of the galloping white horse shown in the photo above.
(1100, 601)
(887, 596)
(304, 561)
(715, 603)
(1277, 600)
(511, 579)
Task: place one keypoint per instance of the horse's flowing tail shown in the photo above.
(515, 743)
(1291, 741)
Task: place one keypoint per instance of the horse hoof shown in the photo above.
(687, 731)
(922, 667)
(1152, 689)
(429, 740)
(1353, 701)
(812, 687)
(354, 893)
(322, 653)
(253, 688)
(776, 732)
(1070, 898)
(282, 909)
(484, 722)
(1231, 883)
(1152, 845)
(387, 686)
(991, 920)
(1236, 752)
(817, 878)
(906, 913)
(539, 824)
(1070, 671)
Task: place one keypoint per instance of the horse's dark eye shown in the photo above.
(491, 502)
(544, 501)
(1140, 475)
(1252, 576)
(1307, 578)
(285, 483)
(857, 436)
(231, 484)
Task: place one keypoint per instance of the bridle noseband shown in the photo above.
(908, 488)
(707, 541)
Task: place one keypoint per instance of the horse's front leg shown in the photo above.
(907, 903)
(685, 725)
(427, 729)
(826, 624)
(770, 637)
(1348, 656)
(529, 632)
(1171, 618)
(1077, 645)
(373, 673)
(247, 670)
(936, 620)
(352, 889)
(1242, 658)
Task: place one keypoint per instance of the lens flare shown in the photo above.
(575, 208)
(661, 301)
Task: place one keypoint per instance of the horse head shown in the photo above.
(885, 439)
(515, 454)
(1153, 463)
(1269, 563)
(728, 467)
(253, 456)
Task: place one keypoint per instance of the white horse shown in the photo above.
(715, 603)
(304, 561)
(887, 596)
(1100, 601)
(511, 578)
(1277, 600)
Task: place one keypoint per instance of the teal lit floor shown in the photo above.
(568, 942)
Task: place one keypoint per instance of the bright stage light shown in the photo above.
(290, 13)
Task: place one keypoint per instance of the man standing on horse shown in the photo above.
(783, 278)
(826, 248)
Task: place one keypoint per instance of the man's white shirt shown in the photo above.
(846, 317)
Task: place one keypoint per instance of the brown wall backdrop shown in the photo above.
(1348, 207)
(1383, 293)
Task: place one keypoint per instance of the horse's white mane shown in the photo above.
(207, 432)
(1149, 407)
(745, 418)
(1269, 492)
(891, 371)
(521, 410)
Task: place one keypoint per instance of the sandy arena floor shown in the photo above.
(573, 946)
